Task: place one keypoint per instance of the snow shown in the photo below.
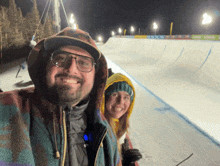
(181, 78)
(176, 112)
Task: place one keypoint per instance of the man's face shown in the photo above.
(69, 84)
(118, 104)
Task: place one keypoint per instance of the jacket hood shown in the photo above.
(118, 77)
(39, 57)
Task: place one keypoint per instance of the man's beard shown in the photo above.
(62, 95)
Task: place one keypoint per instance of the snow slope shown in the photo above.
(171, 74)
(166, 76)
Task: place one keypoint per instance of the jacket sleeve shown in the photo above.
(14, 131)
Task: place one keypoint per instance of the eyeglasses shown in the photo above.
(64, 59)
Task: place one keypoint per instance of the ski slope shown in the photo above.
(175, 116)
(176, 113)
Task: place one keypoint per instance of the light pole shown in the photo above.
(132, 30)
(155, 27)
(56, 16)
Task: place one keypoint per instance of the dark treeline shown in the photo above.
(16, 31)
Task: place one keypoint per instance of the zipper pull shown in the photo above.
(57, 155)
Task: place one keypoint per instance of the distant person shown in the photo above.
(117, 107)
(21, 66)
(58, 122)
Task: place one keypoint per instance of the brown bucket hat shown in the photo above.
(75, 37)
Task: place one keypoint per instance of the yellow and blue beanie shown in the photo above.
(119, 86)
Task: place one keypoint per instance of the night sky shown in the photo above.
(100, 17)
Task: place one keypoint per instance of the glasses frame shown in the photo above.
(52, 54)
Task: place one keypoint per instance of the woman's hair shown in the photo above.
(123, 125)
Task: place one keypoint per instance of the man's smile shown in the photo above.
(70, 80)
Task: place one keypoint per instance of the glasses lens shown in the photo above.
(64, 59)
(59, 58)
(84, 63)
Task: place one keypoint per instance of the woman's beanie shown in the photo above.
(119, 86)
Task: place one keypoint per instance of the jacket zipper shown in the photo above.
(99, 147)
(65, 138)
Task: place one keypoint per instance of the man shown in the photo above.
(58, 122)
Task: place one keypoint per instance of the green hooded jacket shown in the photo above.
(33, 130)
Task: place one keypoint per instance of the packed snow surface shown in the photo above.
(176, 113)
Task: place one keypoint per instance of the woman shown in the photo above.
(117, 106)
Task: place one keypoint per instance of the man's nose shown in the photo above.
(72, 65)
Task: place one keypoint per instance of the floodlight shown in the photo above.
(155, 26)
(206, 19)
(119, 30)
(100, 39)
(71, 19)
(132, 29)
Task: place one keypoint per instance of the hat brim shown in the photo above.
(53, 43)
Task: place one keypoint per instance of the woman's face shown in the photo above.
(118, 104)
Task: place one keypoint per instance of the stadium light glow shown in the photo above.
(74, 26)
(155, 27)
(132, 29)
(100, 39)
(119, 30)
(206, 19)
(113, 33)
(71, 19)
